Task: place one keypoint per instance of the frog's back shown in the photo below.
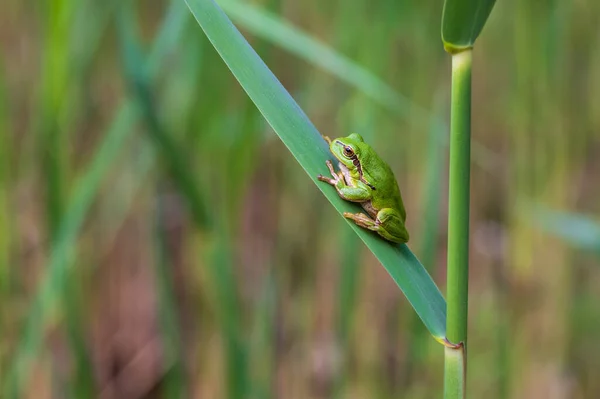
(387, 193)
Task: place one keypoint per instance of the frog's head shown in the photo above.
(351, 152)
(348, 150)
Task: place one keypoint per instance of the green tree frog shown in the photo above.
(366, 179)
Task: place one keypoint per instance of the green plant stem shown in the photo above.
(455, 373)
(458, 221)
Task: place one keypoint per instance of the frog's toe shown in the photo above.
(333, 182)
(331, 169)
(362, 220)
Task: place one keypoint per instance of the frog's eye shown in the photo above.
(348, 151)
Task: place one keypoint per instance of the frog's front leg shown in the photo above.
(360, 193)
(337, 177)
(388, 224)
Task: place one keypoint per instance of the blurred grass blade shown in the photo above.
(139, 81)
(462, 22)
(348, 291)
(6, 178)
(81, 381)
(577, 229)
(81, 200)
(8, 225)
(62, 251)
(310, 150)
(221, 267)
(175, 381)
(262, 354)
(431, 198)
(348, 285)
(268, 26)
(53, 144)
(91, 21)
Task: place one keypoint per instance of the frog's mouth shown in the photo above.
(358, 166)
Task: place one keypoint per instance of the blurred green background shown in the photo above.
(157, 240)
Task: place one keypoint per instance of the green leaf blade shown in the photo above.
(579, 230)
(462, 22)
(306, 144)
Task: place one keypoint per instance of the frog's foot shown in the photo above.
(337, 177)
(385, 225)
(362, 220)
(327, 139)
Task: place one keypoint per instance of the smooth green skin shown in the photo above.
(365, 178)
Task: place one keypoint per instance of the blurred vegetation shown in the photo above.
(158, 240)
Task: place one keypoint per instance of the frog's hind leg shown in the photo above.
(391, 225)
(388, 224)
(362, 220)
